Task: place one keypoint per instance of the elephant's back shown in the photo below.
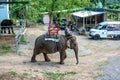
(46, 46)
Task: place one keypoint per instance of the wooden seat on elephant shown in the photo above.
(53, 33)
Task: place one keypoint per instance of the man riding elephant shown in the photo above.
(49, 47)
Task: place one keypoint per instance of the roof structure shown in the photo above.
(109, 22)
(86, 13)
(102, 9)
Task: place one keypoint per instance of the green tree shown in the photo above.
(36, 8)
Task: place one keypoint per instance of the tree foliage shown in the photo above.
(35, 8)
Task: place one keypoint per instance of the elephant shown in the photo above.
(49, 47)
(7, 24)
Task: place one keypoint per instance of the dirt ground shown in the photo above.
(92, 56)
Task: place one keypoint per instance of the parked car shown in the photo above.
(107, 29)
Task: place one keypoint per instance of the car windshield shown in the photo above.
(98, 27)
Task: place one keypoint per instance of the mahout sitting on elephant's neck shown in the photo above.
(49, 47)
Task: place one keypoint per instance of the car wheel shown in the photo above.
(117, 37)
(96, 37)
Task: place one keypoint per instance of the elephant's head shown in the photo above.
(74, 46)
(72, 43)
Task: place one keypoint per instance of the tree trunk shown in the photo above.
(51, 11)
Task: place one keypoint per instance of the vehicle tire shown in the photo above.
(96, 37)
(117, 37)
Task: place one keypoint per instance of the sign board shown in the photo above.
(46, 19)
(4, 10)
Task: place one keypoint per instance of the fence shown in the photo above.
(17, 36)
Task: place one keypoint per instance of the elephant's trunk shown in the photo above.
(76, 53)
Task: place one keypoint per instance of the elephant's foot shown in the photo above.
(1, 32)
(33, 61)
(61, 62)
(4, 31)
(9, 32)
(46, 57)
(47, 60)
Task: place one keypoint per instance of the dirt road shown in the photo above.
(93, 55)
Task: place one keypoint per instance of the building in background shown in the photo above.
(4, 10)
(88, 18)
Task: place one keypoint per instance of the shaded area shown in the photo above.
(111, 71)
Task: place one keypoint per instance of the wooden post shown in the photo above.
(118, 16)
(90, 20)
(83, 22)
(95, 21)
(86, 21)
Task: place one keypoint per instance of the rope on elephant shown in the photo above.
(57, 46)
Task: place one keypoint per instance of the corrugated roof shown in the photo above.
(86, 13)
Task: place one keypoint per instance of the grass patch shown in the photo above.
(100, 68)
(20, 53)
(4, 49)
(102, 64)
(25, 74)
(23, 40)
(8, 75)
(58, 76)
(14, 73)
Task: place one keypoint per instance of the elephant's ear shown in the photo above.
(69, 37)
(74, 38)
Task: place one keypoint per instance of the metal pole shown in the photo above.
(76, 21)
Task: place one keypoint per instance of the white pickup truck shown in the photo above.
(107, 29)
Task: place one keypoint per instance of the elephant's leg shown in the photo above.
(1, 30)
(4, 30)
(12, 30)
(9, 30)
(65, 56)
(47, 59)
(33, 59)
(62, 57)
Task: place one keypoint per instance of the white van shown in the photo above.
(107, 29)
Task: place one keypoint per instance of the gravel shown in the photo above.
(111, 71)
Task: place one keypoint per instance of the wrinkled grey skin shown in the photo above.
(49, 47)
